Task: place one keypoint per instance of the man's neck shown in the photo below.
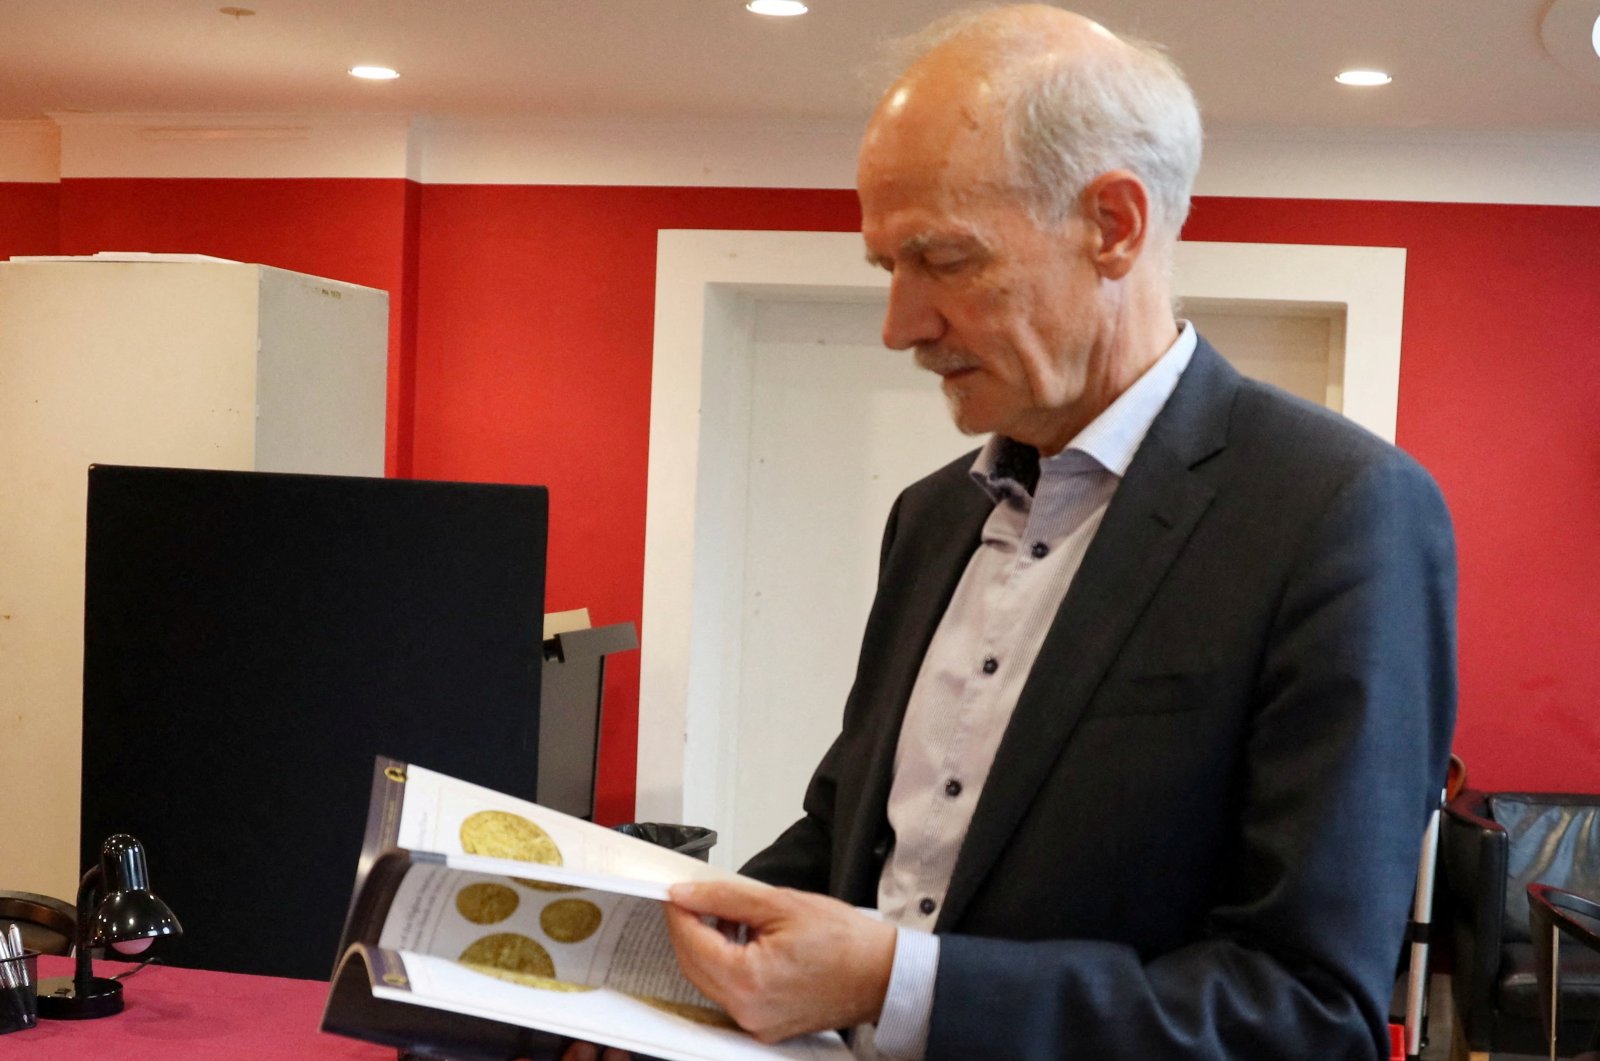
(1132, 355)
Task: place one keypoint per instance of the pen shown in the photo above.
(15, 935)
(9, 977)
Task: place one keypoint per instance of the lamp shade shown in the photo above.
(129, 915)
(129, 910)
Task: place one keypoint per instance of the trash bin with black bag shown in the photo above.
(693, 840)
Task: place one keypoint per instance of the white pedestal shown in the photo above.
(165, 360)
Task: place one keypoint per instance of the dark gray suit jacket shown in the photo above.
(1200, 833)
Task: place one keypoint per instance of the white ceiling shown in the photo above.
(1471, 65)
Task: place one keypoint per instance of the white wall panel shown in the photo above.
(1420, 166)
(232, 145)
(777, 154)
(30, 152)
(1407, 166)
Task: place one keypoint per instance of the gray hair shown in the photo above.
(1071, 117)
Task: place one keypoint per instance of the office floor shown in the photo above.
(1439, 1020)
(1440, 1013)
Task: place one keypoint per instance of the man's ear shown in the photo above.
(1117, 205)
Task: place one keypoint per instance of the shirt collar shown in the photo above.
(1110, 440)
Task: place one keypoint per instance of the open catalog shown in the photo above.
(485, 926)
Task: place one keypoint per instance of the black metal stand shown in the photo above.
(572, 685)
(67, 998)
(83, 995)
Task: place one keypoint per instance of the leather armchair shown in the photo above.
(1492, 846)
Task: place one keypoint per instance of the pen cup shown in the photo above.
(19, 992)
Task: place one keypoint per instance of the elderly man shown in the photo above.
(1157, 688)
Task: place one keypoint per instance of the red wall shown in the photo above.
(1500, 399)
(521, 353)
(29, 215)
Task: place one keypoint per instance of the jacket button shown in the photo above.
(990, 664)
(927, 906)
(952, 788)
(1040, 550)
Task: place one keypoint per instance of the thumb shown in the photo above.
(746, 901)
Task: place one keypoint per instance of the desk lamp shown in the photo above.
(127, 918)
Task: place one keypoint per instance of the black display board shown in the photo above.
(252, 640)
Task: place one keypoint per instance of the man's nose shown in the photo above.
(911, 317)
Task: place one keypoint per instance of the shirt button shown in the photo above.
(1040, 549)
(952, 788)
(927, 906)
(990, 664)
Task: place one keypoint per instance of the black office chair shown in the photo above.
(47, 925)
(1569, 990)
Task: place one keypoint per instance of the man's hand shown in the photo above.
(811, 963)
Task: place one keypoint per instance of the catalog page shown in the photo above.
(591, 964)
(452, 817)
(543, 935)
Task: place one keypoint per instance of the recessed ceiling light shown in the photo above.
(374, 73)
(1364, 78)
(778, 8)
(1570, 32)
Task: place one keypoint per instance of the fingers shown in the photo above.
(700, 949)
(746, 901)
(811, 963)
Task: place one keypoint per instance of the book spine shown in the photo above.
(384, 806)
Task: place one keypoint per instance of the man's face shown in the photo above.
(1006, 312)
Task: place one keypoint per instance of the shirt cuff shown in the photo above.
(902, 1031)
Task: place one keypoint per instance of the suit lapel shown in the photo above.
(1150, 518)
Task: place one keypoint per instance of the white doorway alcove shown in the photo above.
(781, 432)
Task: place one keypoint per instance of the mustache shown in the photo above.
(942, 360)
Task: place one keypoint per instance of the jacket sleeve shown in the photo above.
(1349, 732)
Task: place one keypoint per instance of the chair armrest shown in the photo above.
(1473, 852)
(1551, 908)
(1558, 907)
(47, 917)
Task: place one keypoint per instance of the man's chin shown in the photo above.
(968, 421)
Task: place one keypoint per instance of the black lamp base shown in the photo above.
(59, 998)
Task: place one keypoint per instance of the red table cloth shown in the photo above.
(193, 1015)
